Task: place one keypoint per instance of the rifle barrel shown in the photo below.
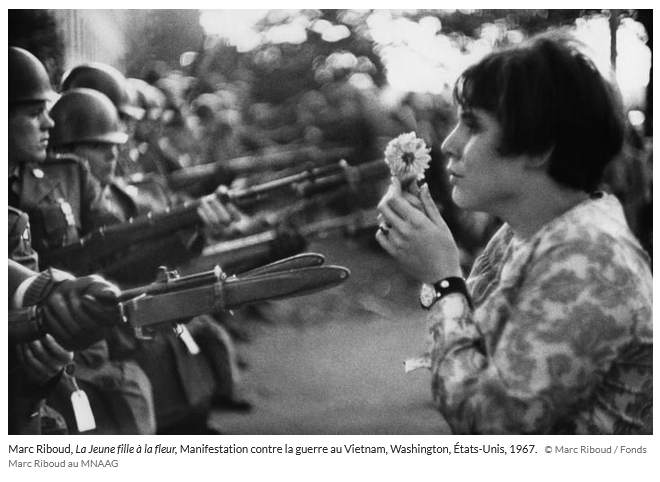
(311, 175)
(286, 157)
(267, 160)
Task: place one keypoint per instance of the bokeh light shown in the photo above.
(418, 56)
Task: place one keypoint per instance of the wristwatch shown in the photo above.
(431, 293)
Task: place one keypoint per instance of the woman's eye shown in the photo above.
(471, 125)
(470, 122)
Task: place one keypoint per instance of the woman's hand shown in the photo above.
(418, 239)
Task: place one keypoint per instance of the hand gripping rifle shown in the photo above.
(86, 255)
(174, 299)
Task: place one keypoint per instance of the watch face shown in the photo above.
(427, 295)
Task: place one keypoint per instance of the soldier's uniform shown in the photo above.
(27, 408)
(20, 242)
(64, 201)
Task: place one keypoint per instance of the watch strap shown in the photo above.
(452, 284)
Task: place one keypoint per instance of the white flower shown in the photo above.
(408, 157)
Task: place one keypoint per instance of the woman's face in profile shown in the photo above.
(481, 178)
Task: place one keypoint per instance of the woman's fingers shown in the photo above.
(430, 207)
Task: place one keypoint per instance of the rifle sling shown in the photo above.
(229, 294)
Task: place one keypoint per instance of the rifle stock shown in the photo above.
(88, 253)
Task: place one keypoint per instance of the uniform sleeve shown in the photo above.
(545, 349)
(17, 274)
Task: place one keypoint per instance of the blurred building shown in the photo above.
(93, 35)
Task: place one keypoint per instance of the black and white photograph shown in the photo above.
(331, 222)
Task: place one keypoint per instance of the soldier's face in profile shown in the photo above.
(29, 124)
(102, 158)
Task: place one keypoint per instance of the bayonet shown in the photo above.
(174, 299)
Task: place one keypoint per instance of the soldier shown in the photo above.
(63, 201)
(42, 189)
(71, 314)
(164, 156)
(108, 80)
(74, 323)
(87, 125)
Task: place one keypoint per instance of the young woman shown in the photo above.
(552, 332)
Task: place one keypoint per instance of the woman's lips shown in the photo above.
(453, 177)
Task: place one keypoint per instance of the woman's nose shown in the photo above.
(451, 146)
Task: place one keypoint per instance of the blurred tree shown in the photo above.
(161, 36)
(282, 68)
(530, 21)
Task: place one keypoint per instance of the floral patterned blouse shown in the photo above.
(561, 337)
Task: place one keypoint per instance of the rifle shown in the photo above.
(247, 251)
(175, 299)
(268, 159)
(87, 254)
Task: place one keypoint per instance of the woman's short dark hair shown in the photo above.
(549, 97)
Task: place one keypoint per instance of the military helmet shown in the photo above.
(107, 80)
(85, 115)
(28, 79)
